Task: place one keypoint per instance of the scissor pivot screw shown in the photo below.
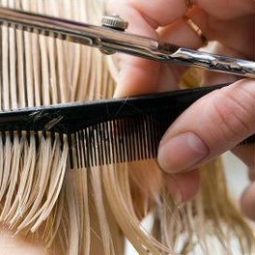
(114, 22)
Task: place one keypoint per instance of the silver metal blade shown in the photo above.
(213, 62)
(110, 41)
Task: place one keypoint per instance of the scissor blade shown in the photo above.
(91, 35)
(111, 41)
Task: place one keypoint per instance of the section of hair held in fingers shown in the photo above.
(71, 210)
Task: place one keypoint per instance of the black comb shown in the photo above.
(108, 131)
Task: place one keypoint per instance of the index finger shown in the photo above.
(137, 75)
(163, 12)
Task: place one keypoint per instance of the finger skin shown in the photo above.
(135, 73)
(248, 202)
(163, 12)
(217, 19)
(183, 186)
(220, 121)
(139, 76)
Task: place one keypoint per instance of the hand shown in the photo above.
(219, 121)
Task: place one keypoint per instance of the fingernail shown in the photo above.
(181, 152)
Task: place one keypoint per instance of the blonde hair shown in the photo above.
(91, 211)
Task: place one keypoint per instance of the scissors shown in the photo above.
(111, 37)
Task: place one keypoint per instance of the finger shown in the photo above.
(139, 76)
(163, 12)
(237, 35)
(180, 33)
(248, 201)
(136, 74)
(211, 126)
(213, 19)
(231, 42)
(183, 186)
(240, 33)
(225, 9)
(251, 174)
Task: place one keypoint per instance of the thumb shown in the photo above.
(212, 125)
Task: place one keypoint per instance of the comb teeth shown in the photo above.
(104, 132)
(118, 141)
(110, 142)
